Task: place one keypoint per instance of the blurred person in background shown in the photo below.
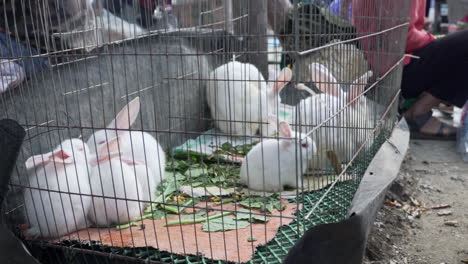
(438, 73)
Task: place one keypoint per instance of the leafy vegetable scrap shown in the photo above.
(264, 203)
(225, 223)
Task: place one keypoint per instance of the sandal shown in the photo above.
(444, 132)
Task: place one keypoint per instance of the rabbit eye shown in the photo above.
(101, 142)
(305, 145)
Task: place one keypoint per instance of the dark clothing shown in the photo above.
(10, 48)
(32, 21)
(428, 7)
(442, 70)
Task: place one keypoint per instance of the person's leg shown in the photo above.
(440, 70)
(441, 73)
(419, 116)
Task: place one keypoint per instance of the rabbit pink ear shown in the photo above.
(107, 151)
(283, 79)
(324, 80)
(358, 86)
(37, 160)
(111, 146)
(127, 116)
(285, 129)
(58, 156)
(94, 160)
(132, 162)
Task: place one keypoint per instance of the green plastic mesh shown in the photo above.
(332, 209)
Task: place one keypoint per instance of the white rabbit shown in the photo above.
(273, 164)
(113, 175)
(240, 99)
(65, 169)
(338, 132)
(137, 145)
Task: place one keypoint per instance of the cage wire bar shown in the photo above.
(210, 131)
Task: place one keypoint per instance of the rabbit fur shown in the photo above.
(241, 100)
(114, 175)
(138, 145)
(273, 164)
(65, 169)
(340, 130)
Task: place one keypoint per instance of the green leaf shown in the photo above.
(277, 204)
(197, 184)
(195, 173)
(170, 189)
(196, 220)
(225, 223)
(155, 214)
(171, 177)
(226, 146)
(244, 214)
(129, 225)
(197, 215)
(178, 165)
(225, 201)
(252, 202)
(270, 208)
(219, 179)
(172, 209)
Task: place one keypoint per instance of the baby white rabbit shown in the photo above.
(65, 169)
(113, 175)
(240, 99)
(273, 164)
(340, 132)
(136, 145)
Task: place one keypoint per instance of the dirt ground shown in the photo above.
(404, 231)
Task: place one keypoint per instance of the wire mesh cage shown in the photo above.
(212, 131)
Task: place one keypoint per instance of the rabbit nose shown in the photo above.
(62, 155)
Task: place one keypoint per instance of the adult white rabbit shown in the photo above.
(114, 175)
(340, 131)
(240, 99)
(65, 170)
(137, 145)
(273, 164)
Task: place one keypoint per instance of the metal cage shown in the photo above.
(223, 129)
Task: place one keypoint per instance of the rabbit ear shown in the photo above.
(94, 160)
(273, 120)
(283, 79)
(324, 79)
(37, 160)
(111, 146)
(58, 156)
(126, 116)
(132, 162)
(285, 129)
(358, 86)
(107, 151)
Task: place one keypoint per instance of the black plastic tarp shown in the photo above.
(12, 250)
